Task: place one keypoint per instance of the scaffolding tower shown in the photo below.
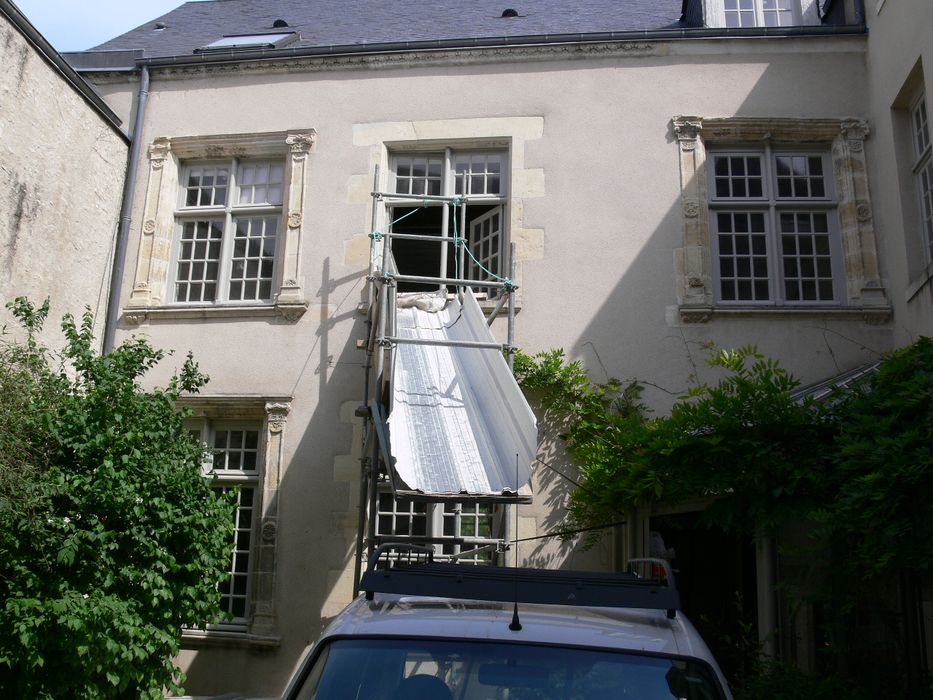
(474, 357)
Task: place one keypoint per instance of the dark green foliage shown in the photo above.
(855, 472)
(884, 466)
(110, 539)
(742, 441)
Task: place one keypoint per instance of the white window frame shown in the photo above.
(923, 171)
(805, 12)
(154, 291)
(228, 213)
(244, 479)
(435, 516)
(770, 205)
(449, 187)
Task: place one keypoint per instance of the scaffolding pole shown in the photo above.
(382, 336)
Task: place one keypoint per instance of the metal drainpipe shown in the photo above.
(126, 208)
(860, 13)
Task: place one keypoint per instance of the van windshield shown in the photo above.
(418, 669)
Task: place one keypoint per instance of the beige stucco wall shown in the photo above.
(599, 219)
(899, 66)
(61, 176)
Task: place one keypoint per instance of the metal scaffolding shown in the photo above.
(383, 340)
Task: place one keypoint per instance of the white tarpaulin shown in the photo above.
(459, 423)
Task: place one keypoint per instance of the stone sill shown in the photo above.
(702, 314)
(195, 639)
(291, 312)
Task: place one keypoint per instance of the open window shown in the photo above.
(480, 179)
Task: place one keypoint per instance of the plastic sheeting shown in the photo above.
(459, 424)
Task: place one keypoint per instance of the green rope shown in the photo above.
(462, 241)
(377, 235)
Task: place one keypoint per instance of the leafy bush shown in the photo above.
(110, 539)
(857, 470)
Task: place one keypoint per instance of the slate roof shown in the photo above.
(324, 23)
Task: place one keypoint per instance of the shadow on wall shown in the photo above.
(635, 332)
(313, 499)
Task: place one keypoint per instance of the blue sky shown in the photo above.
(75, 25)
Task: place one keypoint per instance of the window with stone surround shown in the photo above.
(777, 219)
(454, 530)
(243, 437)
(222, 226)
(923, 172)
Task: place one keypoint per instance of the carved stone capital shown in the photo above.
(687, 130)
(300, 144)
(277, 414)
(158, 152)
(854, 130)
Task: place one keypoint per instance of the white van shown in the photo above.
(436, 631)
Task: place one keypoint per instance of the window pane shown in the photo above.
(743, 260)
(206, 186)
(738, 176)
(191, 271)
(799, 177)
(418, 174)
(253, 258)
(479, 172)
(235, 590)
(807, 264)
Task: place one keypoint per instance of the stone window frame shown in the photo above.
(151, 295)
(271, 414)
(844, 139)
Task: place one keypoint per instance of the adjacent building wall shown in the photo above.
(900, 68)
(62, 164)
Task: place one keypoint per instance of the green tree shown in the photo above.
(856, 469)
(110, 539)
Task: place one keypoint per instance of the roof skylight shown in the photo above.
(250, 41)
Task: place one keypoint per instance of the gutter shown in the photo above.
(51, 56)
(126, 208)
(232, 56)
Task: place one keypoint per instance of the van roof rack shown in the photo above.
(413, 571)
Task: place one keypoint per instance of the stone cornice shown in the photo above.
(401, 59)
(233, 145)
(781, 129)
